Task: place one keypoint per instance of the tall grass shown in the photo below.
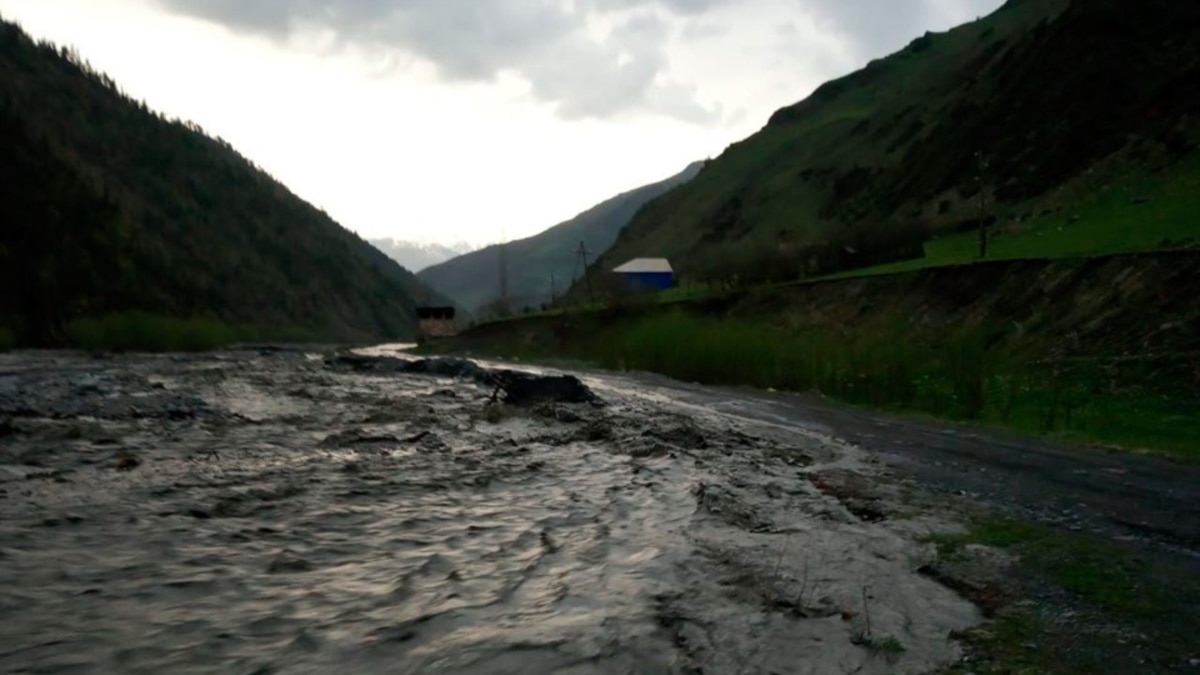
(894, 366)
(887, 366)
(143, 332)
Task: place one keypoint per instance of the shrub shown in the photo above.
(140, 331)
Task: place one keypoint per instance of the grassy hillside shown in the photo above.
(119, 220)
(1083, 112)
(473, 280)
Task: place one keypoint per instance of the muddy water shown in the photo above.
(262, 512)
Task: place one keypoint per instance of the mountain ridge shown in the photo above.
(416, 256)
(539, 265)
(1044, 92)
(171, 220)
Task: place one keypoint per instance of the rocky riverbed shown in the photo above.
(291, 511)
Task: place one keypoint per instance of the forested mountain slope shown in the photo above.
(108, 207)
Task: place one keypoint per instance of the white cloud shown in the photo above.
(546, 42)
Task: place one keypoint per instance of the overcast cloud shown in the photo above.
(478, 120)
(590, 58)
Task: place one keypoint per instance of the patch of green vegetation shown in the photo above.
(142, 332)
(8, 339)
(1134, 419)
(1009, 646)
(892, 366)
(686, 292)
(1144, 212)
(1154, 605)
(886, 644)
(1094, 570)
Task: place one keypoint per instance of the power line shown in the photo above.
(581, 259)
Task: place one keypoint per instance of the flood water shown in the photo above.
(270, 512)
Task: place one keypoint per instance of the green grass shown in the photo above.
(894, 367)
(888, 645)
(1140, 213)
(1116, 580)
(1156, 606)
(143, 332)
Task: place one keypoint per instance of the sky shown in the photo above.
(478, 120)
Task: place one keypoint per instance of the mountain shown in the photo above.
(473, 280)
(1045, 107)
(416, 256)
(108, 208)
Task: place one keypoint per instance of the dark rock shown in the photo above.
(558, 413)
(351, 437)
(127, 463)
(518, 388)
(596, 431)
(65, 520)
(652, 449)
(866, 511)
(448, 367)
(288, 562)
(682, 435)
(526, 389)
(443, 367)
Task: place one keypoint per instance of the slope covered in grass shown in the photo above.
(1053, 94)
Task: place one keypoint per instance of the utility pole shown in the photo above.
(581, 258)
(553, 289)
(983, 224)
(504, 277)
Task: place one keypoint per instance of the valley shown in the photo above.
(906, 381)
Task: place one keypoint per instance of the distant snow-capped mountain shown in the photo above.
(415, 256)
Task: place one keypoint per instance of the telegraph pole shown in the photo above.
(983, 225)
(581, 258)
(504, 274)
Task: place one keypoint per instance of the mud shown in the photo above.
(275, 511)
(1150, 503)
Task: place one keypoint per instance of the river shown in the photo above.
(267, 511)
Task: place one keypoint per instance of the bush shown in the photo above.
(140, 331)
